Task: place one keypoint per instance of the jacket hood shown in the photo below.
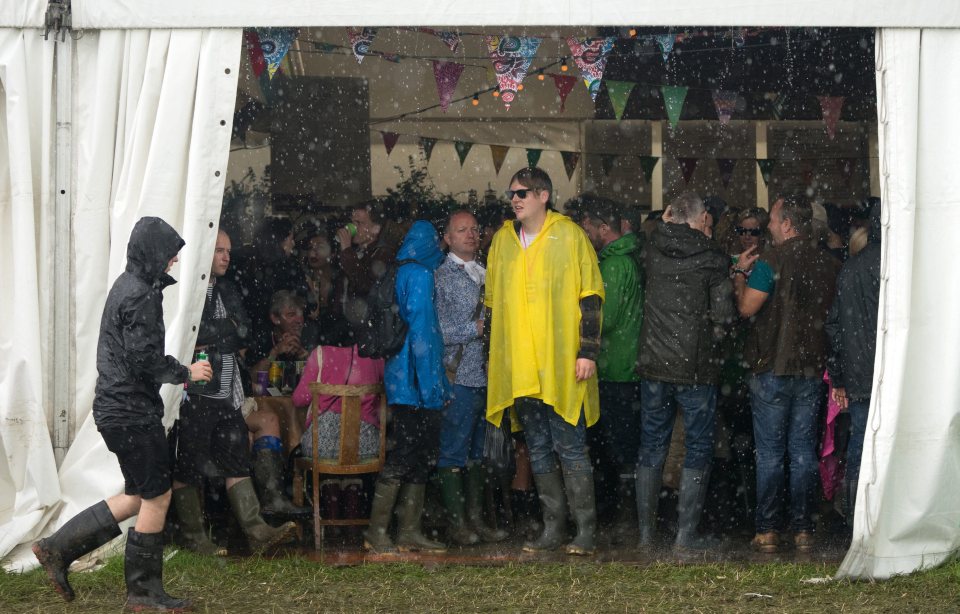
(152, 244)
(625, 245)
(679, 240)
(422, 244)
(876, 230)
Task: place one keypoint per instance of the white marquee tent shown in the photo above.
(130, 115)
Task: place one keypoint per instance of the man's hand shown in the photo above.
(344, 239)
(290, 345)
(201, 371)
(586, 369)
(840, 398)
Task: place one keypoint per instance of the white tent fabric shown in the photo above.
(908, 505)
(22, 13)
(152, 116)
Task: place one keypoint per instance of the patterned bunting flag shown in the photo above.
(725, 102)
(533, 156)
(498, 153)
(619, 92)
(673, 97)
(831, 106)
(590, 55)
(766, 169)
(665, 42)
(257, 62)
(360, 41)
(450, 39)
(606, 161)
(389, 141)
(427, 144)
(463, 148)
(647, 164)
(687, 166)
(777, 104)
(274, 43)
(564, 85)
(447, 75)
(511, 57)
(570, 161)
(726, 166)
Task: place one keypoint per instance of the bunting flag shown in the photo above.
(673, 97)
(511, 57)
(725, 102)
(590, 55)
(463, 148)
(619, 92)
(447, 75)
(726, 166)
(389, 141)
(450, 39)
(274, 44)
(777, 103)
(606, 161)
(665, 42)
(498, 153)
(570, 161)
(564, 85)
(647, 164)
(427, 144)
(831, 106)
(257, 62)
(360, 41)
(687, 166)
(766, 169)
(533, 156)
(846, 167)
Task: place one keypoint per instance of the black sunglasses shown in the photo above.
(753, 232)
(521, 193)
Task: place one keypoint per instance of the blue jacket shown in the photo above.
(415, 375)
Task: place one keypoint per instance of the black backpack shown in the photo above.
(382, 332)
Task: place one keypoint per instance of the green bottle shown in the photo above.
(201, 355)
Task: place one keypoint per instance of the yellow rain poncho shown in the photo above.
(534, 295)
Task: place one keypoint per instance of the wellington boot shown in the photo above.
(625, 521)
(583, 508)
(451, 490)
(526, 510)
(193, 536)
(143, 571)
(476, 475)
(376, 538)
(268, 473)
(693, 493)
(246, 508)
(553, 503)
(409, 535)
(648, 499)
(83, 533)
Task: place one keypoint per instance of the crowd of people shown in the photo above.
(611, 356)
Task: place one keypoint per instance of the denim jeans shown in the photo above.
(620, 421)
(785, 410)
(659, 402)
(463, 427)
(858, 428)
(546, 432)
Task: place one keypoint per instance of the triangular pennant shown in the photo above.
(511, 57)
(766, 169)
(725, 102)
(687, 166)
(777, 104)
(570, 161)
(619, 92)
(463, 148)
(257, 62)
(447, 75)
(846, 167)
(498, 153)
(590, 56)
(606, 161)
(427, 144)
(274, 43)
(673, 97)
(360, 41)
(533, 156)
(725, 166)
(563, 84)
(647, 164)
(665, 42)
(389, 141)
(450, 39)
(831, 106)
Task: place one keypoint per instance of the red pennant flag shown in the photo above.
(389, 141)
(726, 165)
(447, 75)
(831, 106)
(564, 85)
(498, 153)
(687, 166)
(570, 161)
(257, 62)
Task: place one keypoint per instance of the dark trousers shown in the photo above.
(416, 437)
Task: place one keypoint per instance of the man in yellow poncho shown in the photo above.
(544, 294)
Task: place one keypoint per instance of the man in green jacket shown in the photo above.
(600, 218)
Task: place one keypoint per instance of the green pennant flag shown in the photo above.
(647, 164)
(462, 150)
(766, 169)
(533, 156)
(607, 160)
(427, 144)
(570, 161)
(673, 97)
(619, 92)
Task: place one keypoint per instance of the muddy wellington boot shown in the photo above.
(377, 538)
(583, 508)
(410, 537)
(268, 473)
(451, 490)
(83, 533)
(625, 520)
(193, 536)
(476, 477)
(143, 571)
(693, 494)
(649, 480)
(246, 508)
(553, 503)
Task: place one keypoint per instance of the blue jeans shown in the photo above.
(620, 420)
(463, 427)
(546, 432)
(785, 411)
(659, 402)
(858, 428)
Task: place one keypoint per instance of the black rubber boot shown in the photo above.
(410, 538)
(649, 480)
(246, 508)
(475, 481)
(143, 571)
(553, 503)
(526, 510)
(193, 536)
(693, 493)
(451, 489)
(583, 508)
(625, 521)
(268, 473)
(376, 538)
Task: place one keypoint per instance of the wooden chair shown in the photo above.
(348, 461)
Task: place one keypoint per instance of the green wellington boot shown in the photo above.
(246, 507)
(451, 490)
(409, 536)
(377, 538)
(553, 504)
(583, 507)
(193, 536)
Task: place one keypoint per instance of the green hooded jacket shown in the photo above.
(622, 309)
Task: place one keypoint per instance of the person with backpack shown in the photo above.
(417, 389)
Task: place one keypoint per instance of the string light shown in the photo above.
(476, 100)
(540, 76)
(496, 92)
(519, 87)
(563, 66)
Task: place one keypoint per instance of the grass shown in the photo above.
(298, 585)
